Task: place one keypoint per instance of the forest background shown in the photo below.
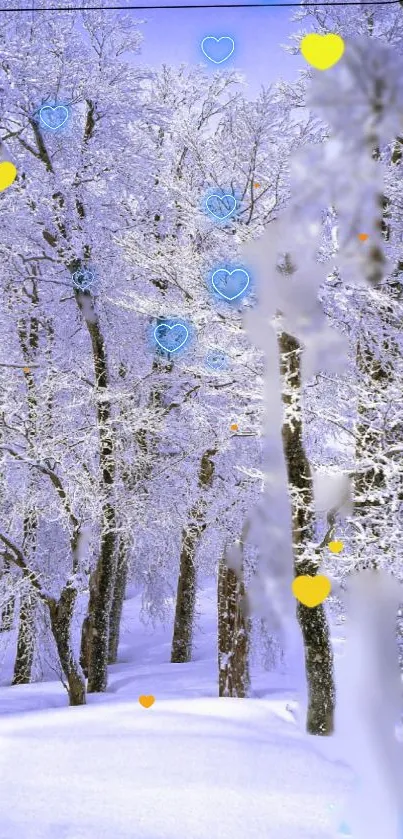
(119, 463)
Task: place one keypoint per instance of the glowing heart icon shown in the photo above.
(53, 117)
(311, 591)
(8, 174)
(225, 50)
(322, 51)
(216, 359)
(223, 280)
(335, 547)
(83, 279)
(216, 200)
(168, 341)
(146, 701)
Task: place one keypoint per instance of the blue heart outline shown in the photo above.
(53, 108)
(221, 198)
(166, 349)
(213, 38)
(87, 276)
(230, 273)
(217, 352)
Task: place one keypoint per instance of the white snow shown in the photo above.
(193, 766)
(369, 704)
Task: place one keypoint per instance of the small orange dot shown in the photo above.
(26, 370)
(234, 427)
(363, 236)
(256, 185)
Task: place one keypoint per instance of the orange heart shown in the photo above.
(146, 701)
(363, 236)
(234, 427)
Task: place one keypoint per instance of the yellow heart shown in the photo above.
(311, 591)
(335, 547)
(8, 174)
(146, 701)
(322, 51)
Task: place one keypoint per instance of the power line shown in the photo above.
(201, 6)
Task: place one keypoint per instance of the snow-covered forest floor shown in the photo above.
(193, 765)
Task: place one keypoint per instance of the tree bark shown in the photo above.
(186, 591)
(100, 617)
(370, 484)
(26, 640)
(94, 653)
(233, 633)
(8, 609)
(312, 621)
(7, 615)
(61, 616)
(118, 600)
(131, 477)
(28, 333)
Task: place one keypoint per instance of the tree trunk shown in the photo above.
(8, 609)
(27, 630)
(233, 633)
(312, 621)
(26, 641)
(186, 591)
(95, 650)
(370, 491)
(7, 615)
(185, 599)
(61, 615)
(28, 337)
(86, 627)
(100, 617)
(131, 477)
(94, 653)
(118, 600)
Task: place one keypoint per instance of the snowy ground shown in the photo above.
(192, 766)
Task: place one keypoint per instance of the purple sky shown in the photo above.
(174, 36)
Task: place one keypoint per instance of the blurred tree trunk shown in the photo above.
(233, 631)
(186, 591)
(313, 622)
